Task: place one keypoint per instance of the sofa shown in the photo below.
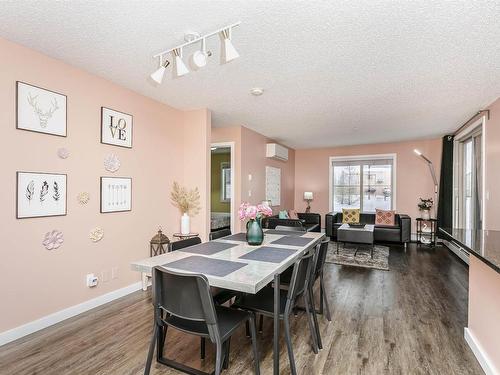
(310, 221)
(399, 233)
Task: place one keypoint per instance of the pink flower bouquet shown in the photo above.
(249, 212)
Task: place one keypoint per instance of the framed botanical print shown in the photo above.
(40, 110)
(40, 194)
(116, 128)
(116, 194)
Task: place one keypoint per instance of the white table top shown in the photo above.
(248, 279)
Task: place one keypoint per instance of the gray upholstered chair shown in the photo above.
(290, 229)
(177, 245)
(183, 301)
(219, 234)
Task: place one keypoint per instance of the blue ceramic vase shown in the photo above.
(255, 235)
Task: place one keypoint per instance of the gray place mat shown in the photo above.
(208, 248)
(269, 254)
(236, 237)
(285, 232)
(292, 241)
(208, 266)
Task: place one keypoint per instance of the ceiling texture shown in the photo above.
(333, 72)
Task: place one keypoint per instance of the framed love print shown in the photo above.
(40, 194)
(40, 110)
(116, 194)
(116, 128)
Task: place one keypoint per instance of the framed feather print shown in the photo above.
(40, 194)
(116, 194)
(116, 128)
(40, 110)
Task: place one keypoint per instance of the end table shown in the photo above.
(181, 236)
(426, 236)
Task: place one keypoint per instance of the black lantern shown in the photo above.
(158, 244)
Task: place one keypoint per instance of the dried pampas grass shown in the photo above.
(187, 201)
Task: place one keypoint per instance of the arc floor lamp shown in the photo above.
(434, 179)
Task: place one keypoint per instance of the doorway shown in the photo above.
(222, 186)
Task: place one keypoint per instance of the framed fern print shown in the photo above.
(40, 194)
(40, 110)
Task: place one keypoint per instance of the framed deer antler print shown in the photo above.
(40, 110)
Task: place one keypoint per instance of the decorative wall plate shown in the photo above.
(63, 153)
(96, 234)
(111, 163)
(83, 197)
(53, 240)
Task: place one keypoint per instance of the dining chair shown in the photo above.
(290, 229)
(263, 302)
(219, 295)
(183, 301)
(219, 234)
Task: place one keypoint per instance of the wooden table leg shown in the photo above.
(276, 342)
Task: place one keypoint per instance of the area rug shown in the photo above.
(346, 256)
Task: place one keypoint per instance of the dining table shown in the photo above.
(230, 263)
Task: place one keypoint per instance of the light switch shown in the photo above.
(249, 177)
(249, 193)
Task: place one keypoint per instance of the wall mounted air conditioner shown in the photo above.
(276, 151)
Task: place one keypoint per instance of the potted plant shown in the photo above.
(425, 206)
(254, 215)
(188, 203)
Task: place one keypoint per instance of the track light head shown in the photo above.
(229, 53)
(180, 68)
(200, 58)
(158, 74)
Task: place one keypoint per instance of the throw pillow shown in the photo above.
(293, 214)
(384, 217)
(283, 214)
(350, 215)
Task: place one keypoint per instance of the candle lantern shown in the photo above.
(159, 244)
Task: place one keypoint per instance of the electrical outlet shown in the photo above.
(114, 272)
(249, 193)
(92, 280)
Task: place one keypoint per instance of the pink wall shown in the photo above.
(250, 158)
(492, 156)
(484, 309)
(168, 145)
(413, 177)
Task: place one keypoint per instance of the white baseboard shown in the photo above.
(481, 356)
(58, 316)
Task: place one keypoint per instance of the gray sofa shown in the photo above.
(399, 233)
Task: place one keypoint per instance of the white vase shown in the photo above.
(425, 214)
(185, 224)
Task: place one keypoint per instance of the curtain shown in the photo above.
(479, 183)
(445, 199)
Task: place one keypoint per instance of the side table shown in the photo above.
(426, 235)
(181, 236)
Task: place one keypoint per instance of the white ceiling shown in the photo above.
(334, 72)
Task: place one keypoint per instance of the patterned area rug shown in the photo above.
(346, 256)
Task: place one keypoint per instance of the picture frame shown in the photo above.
(40, 194)
(115, 194)
(116, 128)
(41, 110)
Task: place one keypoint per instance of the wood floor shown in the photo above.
(408, 320)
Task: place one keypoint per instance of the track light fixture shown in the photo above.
(157, 76)
(200, 57)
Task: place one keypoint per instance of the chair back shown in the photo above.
(321, 258)
(219, 234)
(301, 275)
(290, 229)
(184, 243)
(184, 295)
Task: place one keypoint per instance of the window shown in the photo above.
(225, 192)
(361, 182)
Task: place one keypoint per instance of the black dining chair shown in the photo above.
(263, 302)
(183, 301)
(290, 229)
(219, 234)
(181, 244)
(220, 296)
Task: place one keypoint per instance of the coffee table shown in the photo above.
(357, 235)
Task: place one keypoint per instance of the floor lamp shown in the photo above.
(433, 174)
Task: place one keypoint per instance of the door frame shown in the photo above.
(231, 146)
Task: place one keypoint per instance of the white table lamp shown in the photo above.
(308, 197)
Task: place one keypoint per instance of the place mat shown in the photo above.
(292, 241)
(269, 254)
(285, 232)
(207, 266)
(236, 237)
(208, 248)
